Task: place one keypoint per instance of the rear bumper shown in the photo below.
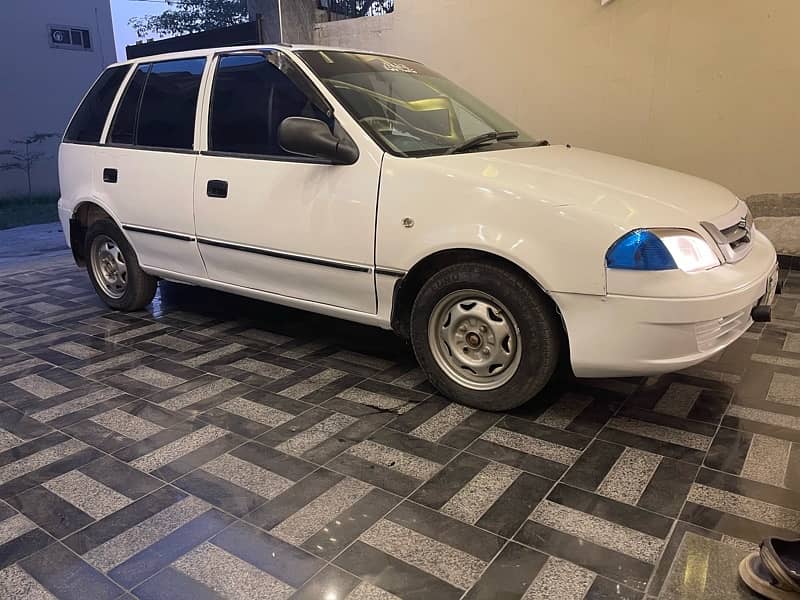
(64, 215)
(74, 233)
(620, 335)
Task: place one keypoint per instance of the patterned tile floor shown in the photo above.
(214, 446)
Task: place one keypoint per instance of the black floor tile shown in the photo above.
(330, 582)
(64, 575)
(345, 528)
(157, 556)
(608, 563)
(611, 510)
(56, 516)
(22, 546)
(123, 520)
(292, 500)
(444, 529)
(509, 575)
(394, 575)
(276, 557)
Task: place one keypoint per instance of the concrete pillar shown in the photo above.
(270, 19)
(287, 21)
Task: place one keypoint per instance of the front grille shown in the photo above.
(722, 331)
(733, 232)
(737, 236)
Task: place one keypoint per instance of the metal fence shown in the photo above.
(349, 9)
(234, 35)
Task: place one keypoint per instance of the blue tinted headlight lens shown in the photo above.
(640, 250)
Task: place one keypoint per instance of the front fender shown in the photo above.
(561, 246)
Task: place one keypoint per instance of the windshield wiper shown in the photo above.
(484, 138)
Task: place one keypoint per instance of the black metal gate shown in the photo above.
(236, 35)
(348, 9)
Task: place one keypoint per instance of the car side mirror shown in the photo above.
(312, 137)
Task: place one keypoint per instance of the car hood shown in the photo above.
(629, 192)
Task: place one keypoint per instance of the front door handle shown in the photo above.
(217, 188)
(110, 175)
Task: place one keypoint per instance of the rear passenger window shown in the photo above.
(169, 103)
(252, 95)
(159, 106)
(87, 124)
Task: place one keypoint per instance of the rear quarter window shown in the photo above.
(87, 124)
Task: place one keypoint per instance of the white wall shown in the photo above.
(40, 86)
(710, 87)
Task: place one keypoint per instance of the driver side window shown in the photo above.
(251, 96)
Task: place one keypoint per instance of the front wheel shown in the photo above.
(486, 336)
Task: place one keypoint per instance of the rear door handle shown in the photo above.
(110, 175)
(216, 188)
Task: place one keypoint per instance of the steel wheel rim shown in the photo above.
(109, 267)
(474, 339)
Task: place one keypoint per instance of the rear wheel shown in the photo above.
(486, 336)
(114, 269)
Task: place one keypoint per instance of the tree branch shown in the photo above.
(191, 16)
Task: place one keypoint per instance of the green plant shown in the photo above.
(23, 160)
(27, 210)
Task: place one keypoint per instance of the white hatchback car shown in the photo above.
(371, 188)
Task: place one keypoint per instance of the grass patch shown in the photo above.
(22, 210)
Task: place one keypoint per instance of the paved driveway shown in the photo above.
(33, 247)
(216, 446)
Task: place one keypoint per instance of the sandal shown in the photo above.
(774, 571)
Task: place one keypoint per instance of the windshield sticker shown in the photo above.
(398, 67)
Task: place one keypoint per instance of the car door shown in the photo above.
(145, 171)
(272, 221)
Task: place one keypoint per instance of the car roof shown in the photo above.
(212, 51)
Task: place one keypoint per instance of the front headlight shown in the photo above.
(660, 250)
(690, 251)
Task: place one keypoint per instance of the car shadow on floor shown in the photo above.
(279, 319)
(355, 337)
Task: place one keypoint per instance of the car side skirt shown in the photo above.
(381, 319)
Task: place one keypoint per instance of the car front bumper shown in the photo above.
(624, 335)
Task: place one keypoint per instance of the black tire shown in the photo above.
(537, 326)
(140, 287)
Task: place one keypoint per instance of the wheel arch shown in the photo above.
(407, 287)
(85, 213)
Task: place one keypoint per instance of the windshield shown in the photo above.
(409, 109)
